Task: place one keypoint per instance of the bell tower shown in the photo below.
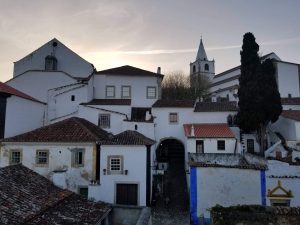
(202, 66)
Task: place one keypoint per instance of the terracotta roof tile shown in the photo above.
(129, 71)
(4, 88)
(29, 198)
(129, 137)
(73, 129)
(108, 102)
(174, 103)
(291, 114)
(290, 101)
(208, 130)
(216, 107)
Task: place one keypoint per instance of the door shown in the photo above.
(127, 194)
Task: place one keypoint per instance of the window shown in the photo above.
(50, 63)
(15, 157)
(126, 92)
(104, 120)
(221, 145)
(151, 92)
(42, 157)
(199, 146)
(173, 117)
(115, 164)
(83, 191)
(206, 67)
(194, 68)
(110, 91)
(250, 145)
(77, 157)
(229, 120)
(73, 98)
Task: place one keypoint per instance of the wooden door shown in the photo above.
(127, 194)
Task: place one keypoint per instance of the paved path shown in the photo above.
(176, 212)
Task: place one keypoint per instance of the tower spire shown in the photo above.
(201, 54)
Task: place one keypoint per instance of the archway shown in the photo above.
(170, 150)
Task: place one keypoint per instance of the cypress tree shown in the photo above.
(259, 99)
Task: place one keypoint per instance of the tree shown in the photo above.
(177, 85)
(259, 99)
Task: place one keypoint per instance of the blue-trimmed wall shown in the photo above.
(193, 196)
(263, 187)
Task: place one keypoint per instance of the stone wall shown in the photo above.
(255, 215)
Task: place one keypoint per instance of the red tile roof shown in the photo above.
(29, 198)
(4, 88)
(129, 137)
(208, 130)
(115, 101)
(73, 129)
(174, 103)
(291, 114)
(129, 71)
(216, 106)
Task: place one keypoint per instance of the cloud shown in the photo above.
(192, 50)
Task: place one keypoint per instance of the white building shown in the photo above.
(19, 112)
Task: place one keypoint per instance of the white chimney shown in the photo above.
(192, 131)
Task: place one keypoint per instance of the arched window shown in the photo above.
(229, 120)
(206, 67)
(50, 63)
(194, 68)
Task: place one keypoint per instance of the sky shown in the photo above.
(149, 33)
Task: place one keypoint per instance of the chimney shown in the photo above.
(158, 70)
(192, 131)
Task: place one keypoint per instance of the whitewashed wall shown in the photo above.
(60, 103)
(22, 115)
(288, 79)
(134, 161)
(138, 87)
(211, 145)
(226, 187)
(37, 83)
(163, 129)
(290, 129)
(144, 128)
(60, 157)
(281, 169)
(92, 115)
(67, 60)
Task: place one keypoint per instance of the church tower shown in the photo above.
(202, 66)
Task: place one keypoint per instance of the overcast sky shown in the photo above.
(148, 33)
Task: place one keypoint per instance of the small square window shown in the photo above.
(110, 91)
(221, 145)
(15, 157)
(84, 191)
(104, 120)
(115, 164)
(173, 117)
(78, 157)
(42, 157)
(151, 92)
(126, 91)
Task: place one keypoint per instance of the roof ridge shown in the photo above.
(78, 120)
